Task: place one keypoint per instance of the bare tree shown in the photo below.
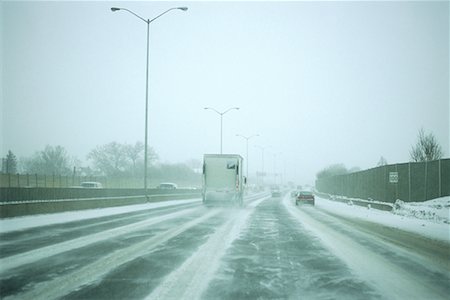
(115, 159)
(427, 148)
(51, 160)
(382, 162)
(134, 153)
(110, 159)
(9, 164)
(333, 170)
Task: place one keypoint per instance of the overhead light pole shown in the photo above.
(221, 122)
(147, 21)
(246, 140)
(275, 154)
(262, 161)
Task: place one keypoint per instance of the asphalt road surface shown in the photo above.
(270, 249)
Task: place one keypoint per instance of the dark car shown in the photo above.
(304, 197)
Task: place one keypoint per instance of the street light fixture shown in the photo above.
(247, 138)
(148, 21)
(221, 121)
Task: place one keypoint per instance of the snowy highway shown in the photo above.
(270, 249)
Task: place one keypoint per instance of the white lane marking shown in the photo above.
(17, 260)
(65, 284)
(389, 279)
(191, 279)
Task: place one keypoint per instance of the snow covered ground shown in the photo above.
(430, 218)
(25, 222)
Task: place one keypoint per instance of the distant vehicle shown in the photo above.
(91, 185)
(275, 190)
(304, 197)
(223, 180)
(167, 186)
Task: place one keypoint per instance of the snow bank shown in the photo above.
(430, 218)
(436, 210)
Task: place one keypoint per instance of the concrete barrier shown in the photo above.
(33, 207)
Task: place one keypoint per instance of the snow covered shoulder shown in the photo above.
(430, 218)
(437, 210)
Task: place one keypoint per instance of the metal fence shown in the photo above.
(35, 180)
(61, 181)
(410, 182)
(15, 194)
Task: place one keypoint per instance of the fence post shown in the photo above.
(426, 175)
(37, 185)
(409, 182)
(28, 180)
(440, 182)
(18, 180)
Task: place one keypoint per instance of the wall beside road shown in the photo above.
(40, 193)
(410, 182)
(32, 207)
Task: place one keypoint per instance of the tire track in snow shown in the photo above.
(191, 279)
(63, 285)
(32, 256)
(390, 280)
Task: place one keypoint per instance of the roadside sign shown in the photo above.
(393, 177)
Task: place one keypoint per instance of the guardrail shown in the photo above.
(33, 207)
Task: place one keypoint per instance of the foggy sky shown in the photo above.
(321, 83)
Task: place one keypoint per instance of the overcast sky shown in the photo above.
(320, 82)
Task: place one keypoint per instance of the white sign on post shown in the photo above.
(393, 177)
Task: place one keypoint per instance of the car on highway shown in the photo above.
(91, 185)
(275, 191)
(304, 197)
(167, 186)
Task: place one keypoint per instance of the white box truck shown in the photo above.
(223, 180)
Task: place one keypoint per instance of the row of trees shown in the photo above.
(112, 160)
(115, 159)
(427, 148)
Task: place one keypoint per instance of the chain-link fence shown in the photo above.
(410, 182)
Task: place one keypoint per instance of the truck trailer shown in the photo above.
(223, 180)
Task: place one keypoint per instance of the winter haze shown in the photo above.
(321, 83)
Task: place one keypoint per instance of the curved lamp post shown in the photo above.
(221, 121)
(246, 139)
(148, 21)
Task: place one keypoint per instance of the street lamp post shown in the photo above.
(246, 139)
(147, 21)
(221, 121)
(262, 162)
(275, 165)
